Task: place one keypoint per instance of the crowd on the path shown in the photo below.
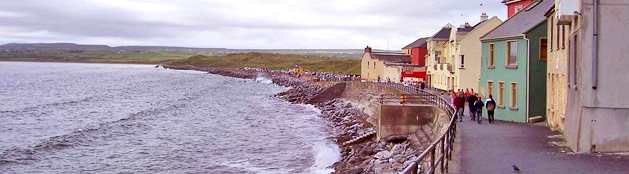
(475, 104)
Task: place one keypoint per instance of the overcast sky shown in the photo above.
(262, 24)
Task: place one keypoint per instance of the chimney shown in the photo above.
(367, 49)
(484, 17)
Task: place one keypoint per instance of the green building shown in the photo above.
(513, 67)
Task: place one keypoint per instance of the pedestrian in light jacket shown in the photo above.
(491, 105)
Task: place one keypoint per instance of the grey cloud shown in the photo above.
(279, 24)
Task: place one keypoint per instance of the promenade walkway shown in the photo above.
(495, 148)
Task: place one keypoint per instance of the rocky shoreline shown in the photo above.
(345, 121)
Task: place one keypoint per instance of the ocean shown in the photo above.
(118, 118)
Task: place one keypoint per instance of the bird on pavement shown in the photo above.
(516, 169)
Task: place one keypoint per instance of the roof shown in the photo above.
(419, 43)
(391, 57)
(510, 1)
(444, 33)
(477, 26)
(522, 21)
(465, 29)
(401, 64)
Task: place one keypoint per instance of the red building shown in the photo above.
(417, 50)
(514, 6)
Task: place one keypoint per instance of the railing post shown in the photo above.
(443, 143)
(432, 160)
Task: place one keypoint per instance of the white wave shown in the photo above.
(262, 79)
(326, 154)
(311, 107)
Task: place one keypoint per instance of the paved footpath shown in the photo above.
(494, 148)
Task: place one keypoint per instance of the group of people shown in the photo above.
(475, 103)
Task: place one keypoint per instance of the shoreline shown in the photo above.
(89, 62)
(345, 120)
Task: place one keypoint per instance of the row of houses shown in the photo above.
(561, 60)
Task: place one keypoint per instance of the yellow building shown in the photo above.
(468, 54)
(559, 33)
(383, 66)
(435, 60)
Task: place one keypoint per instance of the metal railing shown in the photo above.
(439, 153)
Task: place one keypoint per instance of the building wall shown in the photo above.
(511, 7)
(537, 72)
(556, 74)
(432, 47)
(392, 72)
(503, 74)
(418, 56)
(596, 119)
(368, 71)
(470, 46)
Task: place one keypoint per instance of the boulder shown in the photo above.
(383, 155)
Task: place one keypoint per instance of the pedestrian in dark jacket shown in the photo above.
(478, 104)
(491, 105)
(459, 104)
(470, 102)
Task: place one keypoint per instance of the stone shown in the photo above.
(383, 155)
(398, 149)
(399, 158)
(353, 171)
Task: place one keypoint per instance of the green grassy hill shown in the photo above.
(276, 61)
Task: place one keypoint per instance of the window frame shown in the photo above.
(543, 40)
(501, 87)
(490, 88)
(508, 63)
(461, 61)
(513, 101)
(491, 58)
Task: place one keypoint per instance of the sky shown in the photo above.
(237, 24)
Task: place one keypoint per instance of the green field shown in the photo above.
(276, 61)
(152, 57)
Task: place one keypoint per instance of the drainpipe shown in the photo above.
(595, 47)
(528, 77)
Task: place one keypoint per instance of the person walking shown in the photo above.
(459, 104)
(491, 105)
(422, 85)
(470, 103)
(478, 104)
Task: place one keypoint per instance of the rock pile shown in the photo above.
(300, 94)
(376, 157)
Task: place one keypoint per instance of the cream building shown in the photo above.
(435, 59)
(557, 64)
(383, 66)
(468, 54)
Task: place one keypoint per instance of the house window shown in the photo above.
(512, 51)
(462, 61)
(367, 64)
(543, 48)
(501, 89)
(518, 8)
(572, 74)
(552, 30)
(514, 94)
(490, 89)
(491, 56)
(374, 65)
(563, 37)
(557, 37)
